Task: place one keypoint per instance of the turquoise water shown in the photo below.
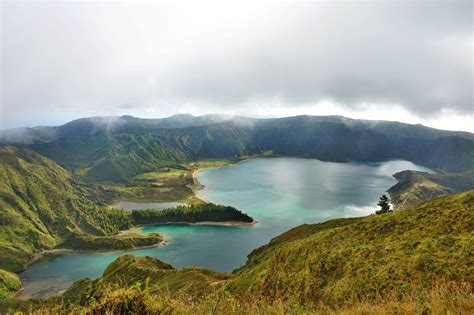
(279, 193)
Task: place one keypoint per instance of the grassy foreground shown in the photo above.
(413, 261)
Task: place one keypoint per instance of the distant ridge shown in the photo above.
(129, 124)
(115, 149)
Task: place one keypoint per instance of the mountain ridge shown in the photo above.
(115, 149)
(92, 125)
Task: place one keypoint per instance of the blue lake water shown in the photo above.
(279, 193)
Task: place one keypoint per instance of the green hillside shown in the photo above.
(399, 253)
(417, 260)
(9, 284)
(158, 276)
(104, 157)
(42, 205)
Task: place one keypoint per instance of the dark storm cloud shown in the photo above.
(71, 60)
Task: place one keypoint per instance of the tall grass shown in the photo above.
(450, 298)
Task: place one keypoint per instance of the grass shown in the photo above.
(166, 184)
(166, 173)
(9, 284)
(42, 204)
(138, 299)
(403, 252)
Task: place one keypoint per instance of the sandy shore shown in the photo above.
(196, 186)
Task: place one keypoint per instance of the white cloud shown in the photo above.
(403, 61)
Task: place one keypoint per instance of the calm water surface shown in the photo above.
(279, 193)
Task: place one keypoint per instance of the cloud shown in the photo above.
(67, 60)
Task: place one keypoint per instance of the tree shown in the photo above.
(384, 204)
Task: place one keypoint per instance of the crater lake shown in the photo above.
(280, 193)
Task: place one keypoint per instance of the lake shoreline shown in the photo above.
(201, 223)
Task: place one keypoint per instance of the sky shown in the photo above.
(409, 61)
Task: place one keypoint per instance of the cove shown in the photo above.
(280, 193)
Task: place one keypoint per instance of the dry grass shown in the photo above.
(449, 299)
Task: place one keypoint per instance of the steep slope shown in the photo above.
(9, 284)
(413, 187)
(112, 158)
(403, 252)
(41, 205)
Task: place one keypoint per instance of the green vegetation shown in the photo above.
(117, 158)
(9, 284)
(411, 260)
(137, 300)
(122, 241)
(402, 253)
(192, 214)
(384, 204)
(165, 184)
(118, 149)
(42, 205)
(158, 276)
(418, 260)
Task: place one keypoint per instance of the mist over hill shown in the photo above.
(129, 124)
(114, 149)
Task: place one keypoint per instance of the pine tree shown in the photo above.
(384, 204)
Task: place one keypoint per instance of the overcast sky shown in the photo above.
(410, 61)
